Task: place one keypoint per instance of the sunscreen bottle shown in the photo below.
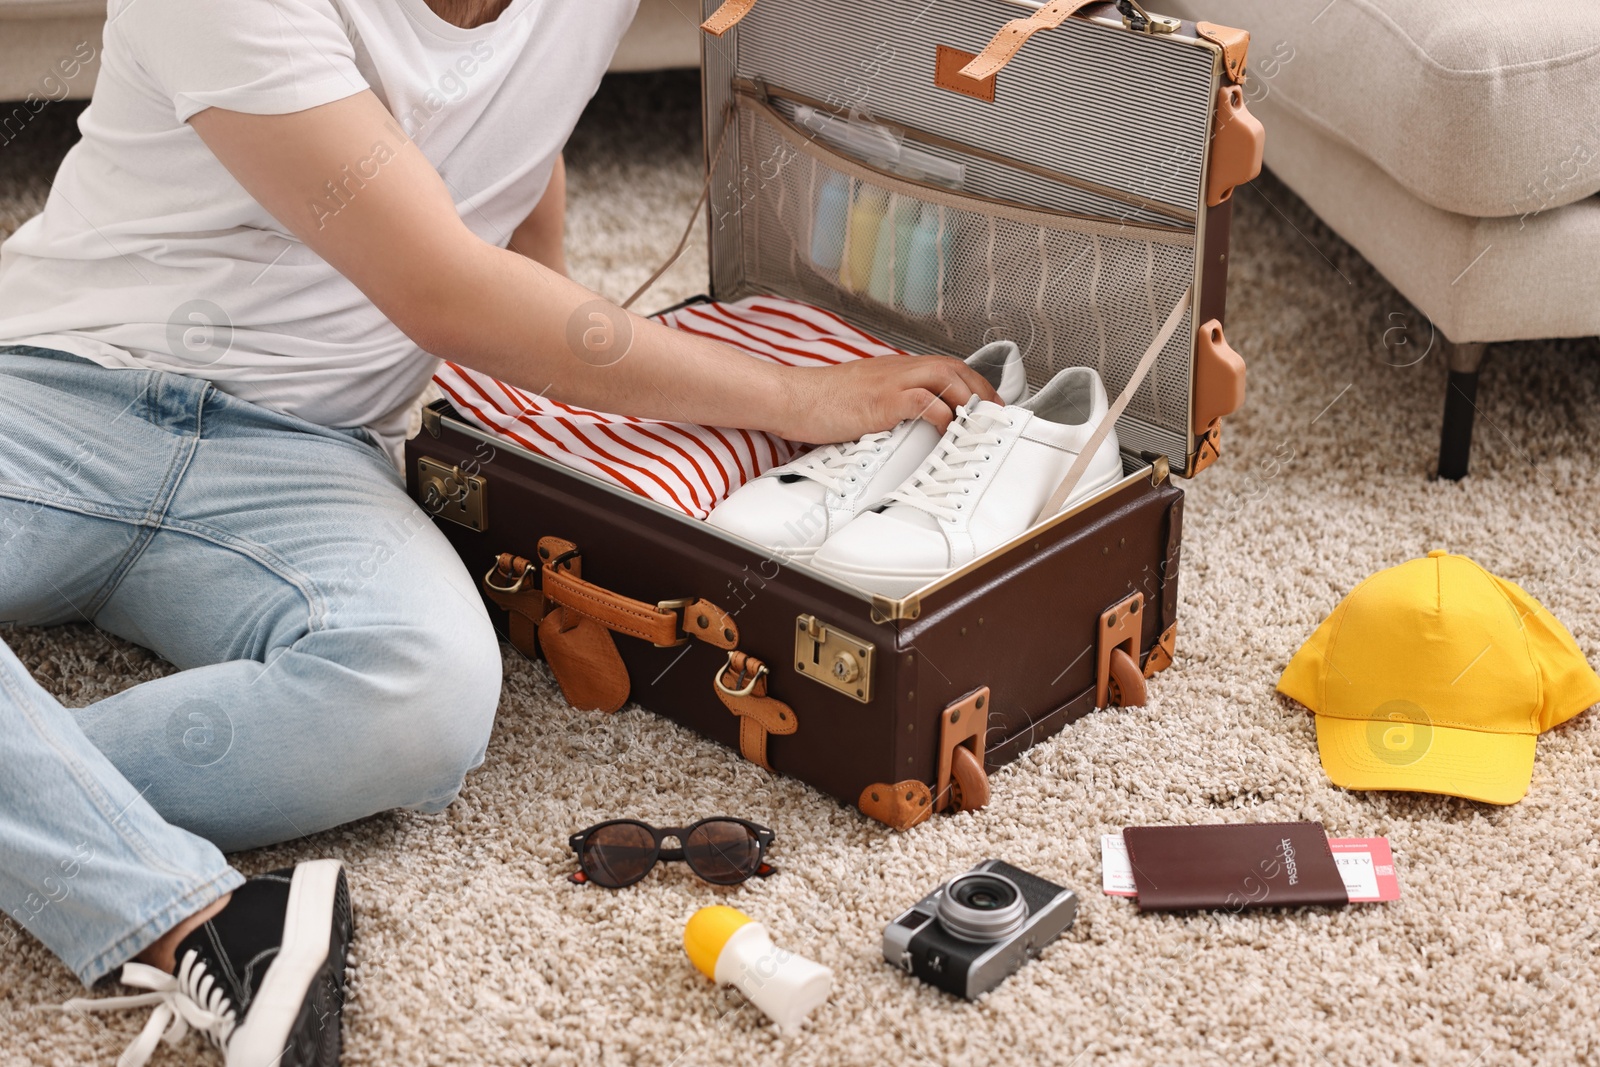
(729, 948)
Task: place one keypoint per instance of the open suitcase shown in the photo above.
(1100, 145)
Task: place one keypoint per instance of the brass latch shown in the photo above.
(432, 419)
(450, 493)
(1135, 17)
(834, 658)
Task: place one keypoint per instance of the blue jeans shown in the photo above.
(336, 660)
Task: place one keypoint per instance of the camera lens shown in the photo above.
(982, 907)
(984, 898)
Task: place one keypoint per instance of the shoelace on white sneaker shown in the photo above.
(947, 474)
(192, 997)
(835, 465)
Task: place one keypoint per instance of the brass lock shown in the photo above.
(451, 493)
(833, 658)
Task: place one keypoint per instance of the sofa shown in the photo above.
(50, 49)
(1456, 145)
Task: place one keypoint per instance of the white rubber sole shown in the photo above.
(895, 584)
(783, 557)
(1084, 492)
(301, 979)
(902, 583)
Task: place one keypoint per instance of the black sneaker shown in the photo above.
(263, 978)
(277, 952)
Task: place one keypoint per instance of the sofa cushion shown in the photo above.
(51, 9)
(1475, 279)
(1482, 107)
(663, 35)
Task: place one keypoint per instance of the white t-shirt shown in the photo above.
(149, 254)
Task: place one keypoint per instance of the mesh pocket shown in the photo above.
(942, 271)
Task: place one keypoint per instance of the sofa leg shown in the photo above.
(1460, 396)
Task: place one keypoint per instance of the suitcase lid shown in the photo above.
(1088, 206)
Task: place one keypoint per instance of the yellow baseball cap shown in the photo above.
(1435, 676)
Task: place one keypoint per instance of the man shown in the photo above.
(279, 216)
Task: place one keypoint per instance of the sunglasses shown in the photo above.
(721, 850)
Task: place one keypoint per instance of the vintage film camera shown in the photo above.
(969, 934)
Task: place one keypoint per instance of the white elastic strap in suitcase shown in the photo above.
(1148, 360)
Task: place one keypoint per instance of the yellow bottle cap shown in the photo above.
(707, 932)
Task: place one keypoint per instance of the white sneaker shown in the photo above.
(792, 509)
(983, 485)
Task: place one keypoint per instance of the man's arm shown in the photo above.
(397, 236)
(542, 234)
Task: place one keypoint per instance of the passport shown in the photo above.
(1233, 866)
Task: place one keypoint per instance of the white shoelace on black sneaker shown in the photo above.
(191, 998)
(947, 474)
(835, 465)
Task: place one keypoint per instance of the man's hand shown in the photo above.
(842, 403)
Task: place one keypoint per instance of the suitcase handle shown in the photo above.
(998, 52)
(665, 624)
(595, 673)
(1005, 45)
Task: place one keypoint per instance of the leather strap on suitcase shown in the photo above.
(1087, 453)
(741, 685)
(572, 620)
(999, 51)
(1013, 35)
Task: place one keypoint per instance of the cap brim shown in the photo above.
(1493, 768)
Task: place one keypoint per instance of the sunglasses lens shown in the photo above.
(722, 852)
(619, 854)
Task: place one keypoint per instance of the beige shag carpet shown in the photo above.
(472, 948)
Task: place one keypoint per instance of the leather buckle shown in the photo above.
(675, 607)
(746, 688)
(514, 587)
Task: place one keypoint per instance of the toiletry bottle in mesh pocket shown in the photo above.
(893, 255)
(828, 223)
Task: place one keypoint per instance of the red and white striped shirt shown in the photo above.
(684, 466)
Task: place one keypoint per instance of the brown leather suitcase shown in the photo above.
(1106, 138)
